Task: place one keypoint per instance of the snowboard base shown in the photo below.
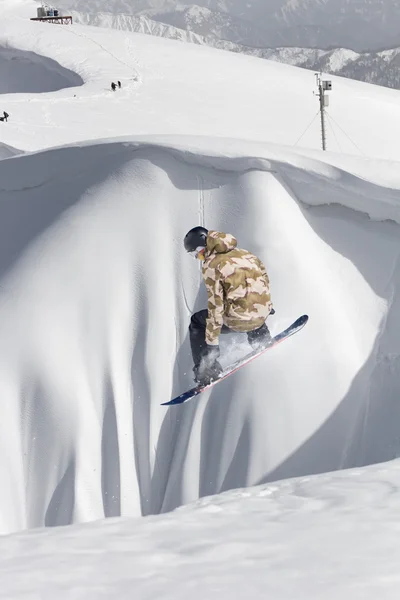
(277, 339)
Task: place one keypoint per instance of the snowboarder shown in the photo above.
(113, 86)
(119, 84)
(238, 299)
(6, 115)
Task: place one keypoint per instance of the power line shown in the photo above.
(343, 131)
(333, 131)
(307, 128)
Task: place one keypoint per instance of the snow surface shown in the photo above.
(27, 72)
(333, 536)
(95, 300)
(169, 89)
(7, 151)
(373, 67)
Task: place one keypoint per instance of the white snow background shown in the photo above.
(97, 189)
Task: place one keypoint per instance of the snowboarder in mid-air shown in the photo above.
(238, 299)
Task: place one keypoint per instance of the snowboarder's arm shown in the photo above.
(215, 293)
(266, 278)
(263, 270)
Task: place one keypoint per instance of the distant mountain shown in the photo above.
(213, 24)
(381, 68)
(139, 24)
(356, 24)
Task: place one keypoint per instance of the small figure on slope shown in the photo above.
(238, 299)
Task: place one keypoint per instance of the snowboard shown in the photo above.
(277, 339)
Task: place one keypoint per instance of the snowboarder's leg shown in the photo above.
(200, 350)
(259, 338)
(197, 334)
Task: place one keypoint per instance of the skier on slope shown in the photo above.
(238, 299)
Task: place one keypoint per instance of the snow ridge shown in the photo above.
(48, 270)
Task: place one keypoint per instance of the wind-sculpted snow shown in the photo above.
(331, 536)
(27, 72)
(95, 299)
(7, 151)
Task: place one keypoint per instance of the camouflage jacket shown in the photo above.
(237, 287)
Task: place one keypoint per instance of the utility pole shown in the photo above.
(323, 87)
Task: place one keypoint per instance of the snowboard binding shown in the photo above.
(204, 374)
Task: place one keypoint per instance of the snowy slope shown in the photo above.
(163, 93)
(379, 68)
(26, 72)
(7, 151)
(96, 293)
(334, 536)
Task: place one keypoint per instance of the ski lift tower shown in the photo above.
(323, 87)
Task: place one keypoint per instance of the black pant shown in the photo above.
(197, 333)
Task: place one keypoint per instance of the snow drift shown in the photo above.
(96, 292)
(27, 72)
(268, 541)
(7, 151)
(95, 299)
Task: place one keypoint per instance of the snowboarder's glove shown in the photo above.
(209, 368)
(210, 355)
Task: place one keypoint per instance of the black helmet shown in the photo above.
(194, 238)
